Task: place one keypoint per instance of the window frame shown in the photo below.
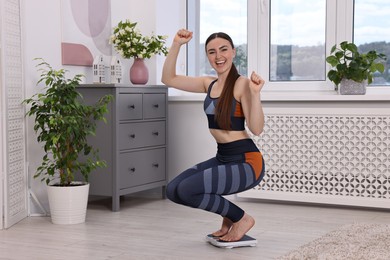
(339, 27)
(261, 9)
(193, 49)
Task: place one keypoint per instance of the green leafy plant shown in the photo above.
(347, 62)
(63, 123)
(130, 43)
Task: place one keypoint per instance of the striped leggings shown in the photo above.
(238, 166)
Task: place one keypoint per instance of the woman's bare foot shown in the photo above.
(239, 229)
(226, 225)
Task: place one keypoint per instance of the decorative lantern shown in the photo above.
(99, 70)
(116, 70)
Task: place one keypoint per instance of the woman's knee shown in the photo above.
(171, 192)
(188, 193)
(176, 193)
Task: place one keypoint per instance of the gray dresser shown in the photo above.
(133, 142)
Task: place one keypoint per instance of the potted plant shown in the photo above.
(63, 124)
(130, 43)
(353, 70)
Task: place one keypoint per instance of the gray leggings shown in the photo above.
(238, 166)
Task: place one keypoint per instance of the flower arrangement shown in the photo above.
(130, 43)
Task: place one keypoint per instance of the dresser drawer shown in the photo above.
(142, 134)
(130, 106)
(143, 167)
(154, 105)
(133, 142)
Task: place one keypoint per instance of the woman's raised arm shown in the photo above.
(169, 76)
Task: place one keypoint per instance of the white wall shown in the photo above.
(2, 134)
(42, 38)
(41, 26)
(189, 139)
(144, 13)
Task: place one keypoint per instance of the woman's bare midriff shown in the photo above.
(223, 136)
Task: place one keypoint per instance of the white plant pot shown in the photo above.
(350, 87)
(68, 205)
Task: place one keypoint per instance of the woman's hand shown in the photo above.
(182, 36)
(256, 82)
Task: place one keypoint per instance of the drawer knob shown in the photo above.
(132, 169)
(155, 133)
(132, 136)
(155, 165)
(131, 106)
(156, 105)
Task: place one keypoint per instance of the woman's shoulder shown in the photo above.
(208, 81)
(242, 81)
(241, 85)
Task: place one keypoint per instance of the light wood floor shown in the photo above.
(148, 227)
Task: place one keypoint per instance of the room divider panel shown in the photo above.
(13, 168)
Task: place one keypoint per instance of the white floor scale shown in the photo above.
(244, 241)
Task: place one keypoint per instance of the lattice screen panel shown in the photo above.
(344, 159)
(16, 184)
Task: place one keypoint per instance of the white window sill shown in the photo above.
(373, 94)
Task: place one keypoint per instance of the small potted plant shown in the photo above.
(130, 43)
(352, 70)
(63, 123)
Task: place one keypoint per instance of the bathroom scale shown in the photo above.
(244, 241)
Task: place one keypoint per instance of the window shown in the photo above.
(297, 40)
(288, 41)
(371, 31)
(229, 16)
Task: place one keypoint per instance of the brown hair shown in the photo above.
(223, 108)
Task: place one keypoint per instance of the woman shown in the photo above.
(231, 100)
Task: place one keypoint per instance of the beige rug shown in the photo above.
(351, 242)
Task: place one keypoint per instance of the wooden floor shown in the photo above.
(148, 227)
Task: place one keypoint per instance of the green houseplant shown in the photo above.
(63, 123)
(349, 64)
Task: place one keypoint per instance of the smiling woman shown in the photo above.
(231, 101)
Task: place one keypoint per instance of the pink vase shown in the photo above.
(139, 73)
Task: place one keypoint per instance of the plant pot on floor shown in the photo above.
(350, 87)
(68, 204)
(63, 122)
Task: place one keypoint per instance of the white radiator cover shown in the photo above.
(336, 159)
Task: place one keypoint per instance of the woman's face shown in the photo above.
(220, 54)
